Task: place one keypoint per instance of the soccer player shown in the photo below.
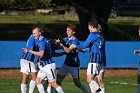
(137, 51)
(72, 63)
(96, 65)
(28, 67)
(48, 69)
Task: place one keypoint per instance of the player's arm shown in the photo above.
(40, 53)
(83, 50)
(86, 43)
(68, 49)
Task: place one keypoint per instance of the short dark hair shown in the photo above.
(71, 26)
(93, 23)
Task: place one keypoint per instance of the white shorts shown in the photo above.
(48, 71)
(95, 68)
(27, 66)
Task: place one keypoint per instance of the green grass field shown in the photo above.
(113, 85)
(68, 18)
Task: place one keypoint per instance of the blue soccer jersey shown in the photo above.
(31, 46)
(44, 45)
(96, 43)
(72, 58)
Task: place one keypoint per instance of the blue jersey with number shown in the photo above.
(31, 46)
(44, 45)
(72, 58)
(96, 43)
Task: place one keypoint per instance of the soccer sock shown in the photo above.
(49, 89)
(83, 88)
(59, 89)
(93, 86)
(31, 86)
(40, 88)
(102, 90)
(23, 88)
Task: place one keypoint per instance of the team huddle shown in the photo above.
(39, 46)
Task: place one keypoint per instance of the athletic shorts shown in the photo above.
(95, 68)
(65, 70)
(48, 71)
(27, 66)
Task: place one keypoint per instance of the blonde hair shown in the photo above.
(99, 27)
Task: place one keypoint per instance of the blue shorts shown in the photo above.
(65, 70)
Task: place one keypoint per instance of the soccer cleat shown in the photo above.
(98, 91)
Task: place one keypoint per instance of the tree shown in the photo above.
(99, 9)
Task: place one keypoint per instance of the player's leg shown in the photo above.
(39, 85)
(101, 82)
(51, 75)
(94, 87)
(74, 71)
(49, 88)
(92, 71)
(33, 73)
(24, 83)
(78, 83)
(56, 86)
(60, 78)
(32, 82)
(63, 71)
(40, 76)
(101, 79)
(25, 74)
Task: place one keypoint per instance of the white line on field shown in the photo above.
(124, 83)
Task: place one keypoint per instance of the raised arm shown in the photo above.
(38, 53)
(86, 43)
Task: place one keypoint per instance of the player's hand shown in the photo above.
(80, 50)
(38, 63)
(136, 51)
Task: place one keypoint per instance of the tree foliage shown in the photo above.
(86, 9)
(18, 4)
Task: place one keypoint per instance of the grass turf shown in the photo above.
(113, 85)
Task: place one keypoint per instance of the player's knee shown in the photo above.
(37, 81)
(100, 80)
(88, 80)
(34, 76)
(53, 84)
(24, 79)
